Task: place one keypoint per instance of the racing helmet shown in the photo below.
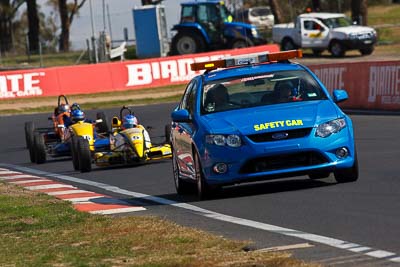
(75, 106)
(129, 121)
(63, 108)
(77, 115)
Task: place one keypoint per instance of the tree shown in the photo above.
(8, 10)
(276, 11)
(67, 11)
(359, 11)
(33, 21)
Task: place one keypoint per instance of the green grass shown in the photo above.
(39, 230)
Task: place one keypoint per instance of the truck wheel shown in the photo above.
(317, 52)
(367, 50)
(29, 133)
(288, 44)
(187, 43)
(39, 148)
(241, 43)
(337, 49)
(74, 152)
(349, 174)
(84, 156)
(102, 127)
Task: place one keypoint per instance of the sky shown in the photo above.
(120, 13)
(120, 17)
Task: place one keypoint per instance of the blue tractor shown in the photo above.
(207, 26)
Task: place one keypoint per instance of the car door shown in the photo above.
(314, 34)
(182, 133)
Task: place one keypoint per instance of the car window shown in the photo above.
(337, 22)
(188, 100)
(260, 90)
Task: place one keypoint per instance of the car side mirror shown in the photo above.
(339, 95)
(181, 115)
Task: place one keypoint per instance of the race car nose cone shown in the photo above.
(220, 168)
(342, 153)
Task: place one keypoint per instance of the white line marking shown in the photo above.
(114, 211)
(397, 259)
(48, 186)
(30, 181)
(18, 176)
(360, 249)
(287, 247)
(82, 199)
(67, 192)
(380, 254)
(8, 172)
(333, 242)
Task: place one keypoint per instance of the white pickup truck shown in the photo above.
(321, 31)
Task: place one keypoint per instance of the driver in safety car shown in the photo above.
(286, 91)
(130, 123)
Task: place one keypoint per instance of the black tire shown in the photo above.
(29, 133)
(204, 190)
(39, 148)
(185, 43)
(182, 187)
(288, 44)
(367, 50)
(102, 127)
(74, 152)
(349, 174)
(241, 43)
(84, 155)
(337, 49)
(317, 52)
(167, 131)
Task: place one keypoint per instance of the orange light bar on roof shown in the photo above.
(246, 60)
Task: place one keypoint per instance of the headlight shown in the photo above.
(352, 35)
(254, 32)
(330, 127)
(232, 140)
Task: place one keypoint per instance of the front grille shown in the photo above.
(268, 137)
(281, 162)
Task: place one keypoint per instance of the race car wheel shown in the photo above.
(74, 152)
(347, 175)
(337, 49)
(29, 133)
(182, 187)
(102, 127)
(39, 148)
(84, 156)
(167, 131)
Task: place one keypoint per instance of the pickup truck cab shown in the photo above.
(321, 31)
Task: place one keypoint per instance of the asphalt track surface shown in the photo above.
(352, 224)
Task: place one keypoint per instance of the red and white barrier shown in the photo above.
(371, 85)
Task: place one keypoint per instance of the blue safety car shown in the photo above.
(259, 117)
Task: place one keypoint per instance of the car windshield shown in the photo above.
(261, 11)
(260, 90)
(337, 22)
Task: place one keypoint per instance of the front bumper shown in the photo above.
(352, 44)
(277, 159)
